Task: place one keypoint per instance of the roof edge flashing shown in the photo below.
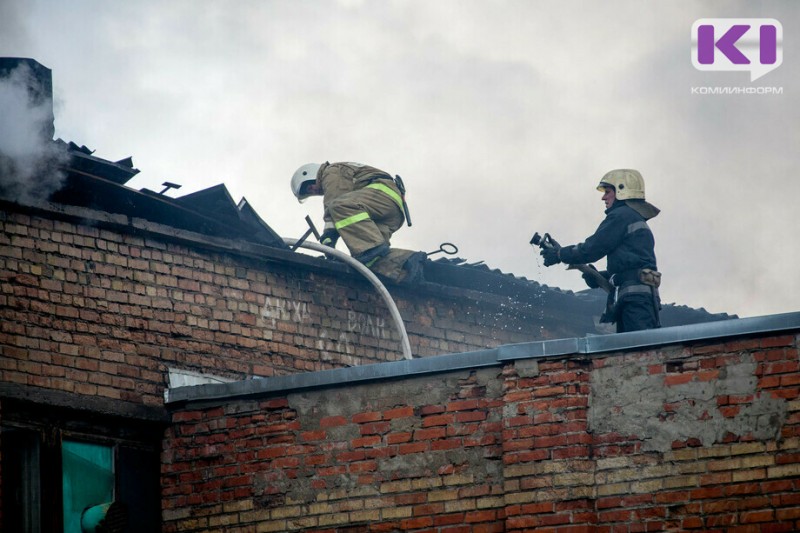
(337, 376)
(616, 342)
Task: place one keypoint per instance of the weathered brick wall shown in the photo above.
(687, 437)
(101, 311)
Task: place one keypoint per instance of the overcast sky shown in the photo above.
(501, 116)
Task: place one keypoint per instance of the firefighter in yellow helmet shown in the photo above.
(364, 206)
(626, 241)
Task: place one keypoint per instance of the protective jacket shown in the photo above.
(626, 241)
(340, 179)
(365, 207)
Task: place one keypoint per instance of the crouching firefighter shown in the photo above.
(365, 206)
(626, 241)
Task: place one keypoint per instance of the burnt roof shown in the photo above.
(97, 183)
(479, 276)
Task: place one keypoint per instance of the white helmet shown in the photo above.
(628, 183)
(304, 174)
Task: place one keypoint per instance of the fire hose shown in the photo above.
(398, 320)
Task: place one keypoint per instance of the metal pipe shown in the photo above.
(398, 320)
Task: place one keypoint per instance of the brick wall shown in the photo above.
(100, 310)
(697, 436)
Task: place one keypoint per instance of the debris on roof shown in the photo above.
(97, 183)
(479, 276)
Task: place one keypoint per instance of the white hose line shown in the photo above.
(398, 320)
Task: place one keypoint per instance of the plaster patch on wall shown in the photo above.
(630, 401)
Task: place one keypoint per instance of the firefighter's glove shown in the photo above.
(551, 256)
(591, 280)
(329, 237)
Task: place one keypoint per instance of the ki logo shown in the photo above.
(754, 45)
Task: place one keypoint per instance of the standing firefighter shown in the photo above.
(365, 206)
(627, 242)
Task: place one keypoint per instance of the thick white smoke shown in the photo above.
(30, 161)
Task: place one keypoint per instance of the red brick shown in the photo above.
(363, 466)
(788, 514)
(375, 428)
(429, 434)
(790, 380)
(614, 516)
(480, 516)
(721, 520)
(571, 452)
(447, 444)
(416, 523)
(396, 438)
(350, 456)
(771, 342)
(448, 519)
(522, 522)
(431, 410)
(678, 379)
(692, 522)
(787, 458)
(410, 499)
(313, 435)
(336, 470)
(537, 508)
(550, 442)
(784, 367)
(706, 492)
(470, 416)
(363, 442)
(757, 516)
(332, 421)
(428, 509)
(438, 420)
(413, 447)
(463, 405)
(372, 416)
(399, 412)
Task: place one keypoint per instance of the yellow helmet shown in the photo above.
(304, 174)
(628, 183)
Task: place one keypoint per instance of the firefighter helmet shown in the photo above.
(306, 173)
(627, 183)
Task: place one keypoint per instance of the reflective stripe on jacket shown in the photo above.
(337, 179)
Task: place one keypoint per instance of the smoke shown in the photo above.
(14, 32)
(30, 161)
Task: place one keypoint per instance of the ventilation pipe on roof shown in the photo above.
(398, 320)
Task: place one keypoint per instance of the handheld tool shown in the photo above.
(311, 229)
(446, 248)
(401, 186)
(546, 241)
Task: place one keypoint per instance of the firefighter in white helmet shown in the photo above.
(364, 206)
(626, 241)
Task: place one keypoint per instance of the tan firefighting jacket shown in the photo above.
(337, 179)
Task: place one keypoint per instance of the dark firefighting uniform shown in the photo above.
(626, 241)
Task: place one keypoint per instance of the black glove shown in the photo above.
(591, 280)
(550, 256)
(329, 237)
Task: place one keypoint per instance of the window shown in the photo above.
(87, 473)
(58, 462)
